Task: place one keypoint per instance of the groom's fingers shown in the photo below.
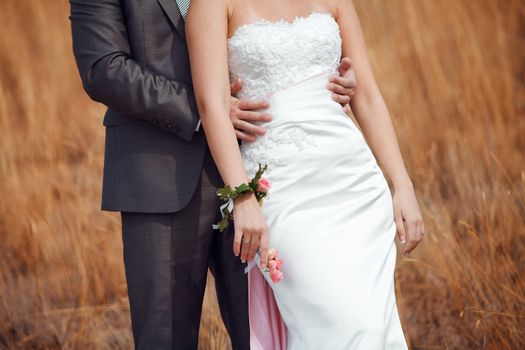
(342, 86)
(250, 116)
(247, 105)
(250, 128)
(346, 64)
(235, 87)
(244, 136)
(341, 99)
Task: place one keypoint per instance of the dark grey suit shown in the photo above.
(158, 172)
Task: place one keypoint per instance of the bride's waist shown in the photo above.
(308, 100)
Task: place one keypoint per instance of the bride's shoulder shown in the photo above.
(329, 6)
(336, 7)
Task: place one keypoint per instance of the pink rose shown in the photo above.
(272, 253)
(279, 262)
(274, 265)
(264, 185)
(276, 275)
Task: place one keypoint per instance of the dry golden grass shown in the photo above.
(453, 74)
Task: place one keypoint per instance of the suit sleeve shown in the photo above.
(110, 76)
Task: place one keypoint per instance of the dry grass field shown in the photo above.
(453, 75)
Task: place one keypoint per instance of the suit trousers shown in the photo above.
(166, 259)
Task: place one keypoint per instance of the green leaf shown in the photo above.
(223, 224)
(242, 188)
(225, 192)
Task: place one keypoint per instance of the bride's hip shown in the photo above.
(331, 137)
(296, 155)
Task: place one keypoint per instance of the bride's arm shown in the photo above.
(374, 119)
(206, 33)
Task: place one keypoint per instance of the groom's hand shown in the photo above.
(244, 113)
(343, 86)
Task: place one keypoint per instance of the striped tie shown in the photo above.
(183, 7)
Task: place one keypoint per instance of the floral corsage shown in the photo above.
(258, 185)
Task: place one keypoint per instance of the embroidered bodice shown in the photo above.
(272, 55)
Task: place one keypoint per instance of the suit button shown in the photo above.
(170, 126)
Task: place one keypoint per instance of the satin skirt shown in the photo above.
(330, 215)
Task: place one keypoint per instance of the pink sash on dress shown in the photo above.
(267, 329)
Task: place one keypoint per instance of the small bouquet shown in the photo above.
(258, 185)
(274, 265)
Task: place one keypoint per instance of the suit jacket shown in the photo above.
(132, 57)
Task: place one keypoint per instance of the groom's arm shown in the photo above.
(112, 77)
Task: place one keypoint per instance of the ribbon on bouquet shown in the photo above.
(229, 206)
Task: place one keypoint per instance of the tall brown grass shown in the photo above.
(453, 75)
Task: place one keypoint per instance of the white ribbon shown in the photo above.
(229, 205)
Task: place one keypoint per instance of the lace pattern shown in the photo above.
(271, 55)
(261, 150)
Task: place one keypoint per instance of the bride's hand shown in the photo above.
(407, 215)
(251, 230)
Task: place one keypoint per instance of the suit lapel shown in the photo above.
(172, 11)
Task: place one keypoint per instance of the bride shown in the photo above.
(330, 212)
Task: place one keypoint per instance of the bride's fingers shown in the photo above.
(412, 235)
(400, 228)
(245, 246)
(237, 241)
(420, 231)
(254, 245)
(264, 249)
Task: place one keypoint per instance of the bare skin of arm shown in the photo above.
(374, 119)
(207, 31)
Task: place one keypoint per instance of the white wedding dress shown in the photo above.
(329, 210)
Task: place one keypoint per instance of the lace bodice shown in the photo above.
(272, 55)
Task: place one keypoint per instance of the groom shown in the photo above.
(158, 171)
